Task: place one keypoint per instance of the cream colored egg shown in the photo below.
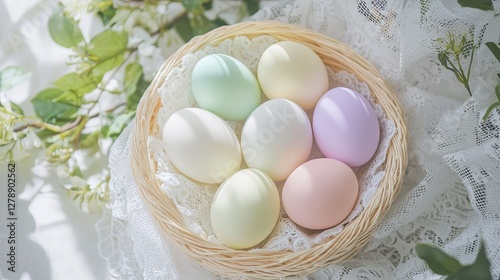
(245, 209)
(201, 145)
(293, 71)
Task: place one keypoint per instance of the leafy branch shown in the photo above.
(68, 115)
(453, 51)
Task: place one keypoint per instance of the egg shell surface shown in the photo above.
(201, 145)
(245, 209)
(224, 86)
(320, 193)
(276, 138)
(346, 126)
(293, 71)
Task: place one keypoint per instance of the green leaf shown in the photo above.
(495, 50)
(490, 109)
(133, 100)
(201, 24)
(207, 5)
(443, 58)
(219, 22)
(107, 64)
(78, 83)
(479, 270)
(107, 15)
(437, 260)
(45, 135)
(485, 5)
(192, 5)
(69, 98)
(133, 73)
(497, 90)
(252, 6)
(118, 124)
(183, 28)
(108, 43)
(76, 171)
(105, 130)
(63, 30)
(48, 110)
(89, 140)
(15, 108)
(108, 49)
(11, 76)
(459, 77)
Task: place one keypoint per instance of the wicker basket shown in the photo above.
(270, 265)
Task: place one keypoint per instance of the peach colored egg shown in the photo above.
(320, 193)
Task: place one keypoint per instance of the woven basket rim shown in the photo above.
(260, 264)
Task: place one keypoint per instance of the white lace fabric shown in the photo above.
(451, 188)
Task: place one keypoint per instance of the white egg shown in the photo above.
(276, 138)
(201, 145)
(245, 209)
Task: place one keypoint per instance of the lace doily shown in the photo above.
(194, 200)
(450, 190)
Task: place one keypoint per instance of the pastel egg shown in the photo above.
(276, 138)
(320, 193)
(201, 145)
(293, 71)
(245, 209)
(346, 127)
(224, 86)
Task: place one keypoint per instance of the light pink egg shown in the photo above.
(320, 193)
(346, 127)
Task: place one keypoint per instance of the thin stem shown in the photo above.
(452, 65)
(471, 60)
(132, 51)
(109, 110)
(8, 154)
(72, 124)
(462, 73)
(38, 124)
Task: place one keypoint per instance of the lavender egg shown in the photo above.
(346, 127)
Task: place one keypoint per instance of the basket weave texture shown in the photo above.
(261, 264)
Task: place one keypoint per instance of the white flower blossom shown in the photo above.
(151, 59)
(139, 35)
(76, 8)
(146, 49)
(77, 181)
(63, 171)
(5, 102)
(113, 86)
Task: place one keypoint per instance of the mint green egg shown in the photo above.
(224, 86)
